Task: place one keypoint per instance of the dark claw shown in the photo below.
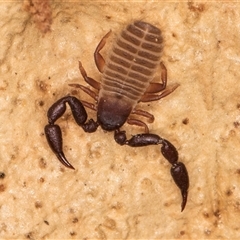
(184, 199)
(54, 137)
(53, 131)
(180, 177)
(63, 160)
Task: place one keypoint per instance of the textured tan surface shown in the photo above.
(120, 192)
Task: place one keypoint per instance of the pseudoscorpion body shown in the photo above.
(127, 78)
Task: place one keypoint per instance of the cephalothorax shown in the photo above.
(126, 80)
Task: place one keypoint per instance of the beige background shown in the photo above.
(119, 192)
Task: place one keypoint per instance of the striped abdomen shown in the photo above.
(129, 69)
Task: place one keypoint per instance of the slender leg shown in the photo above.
(155, 88)
(163, 75)
(155, 97)
(178, 170)
(86, 90)
(158, 87)
(53, 132)
(144, 114)
(139, 123)
(89, 105)
(99, 60)
(89, 80)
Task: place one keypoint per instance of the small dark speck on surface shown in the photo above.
(46, 222)
(236, 124)
(41, 180)
(206, 215)
(38, 204)
(229, 192)
(42, 163)
(182, 232)
(75, 220)
(30, 235)
(217, 213)
(185, 121)
(73, 233)
(41, 103)
(42, 86)
(2, 175)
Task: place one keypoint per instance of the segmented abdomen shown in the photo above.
(132, 62)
